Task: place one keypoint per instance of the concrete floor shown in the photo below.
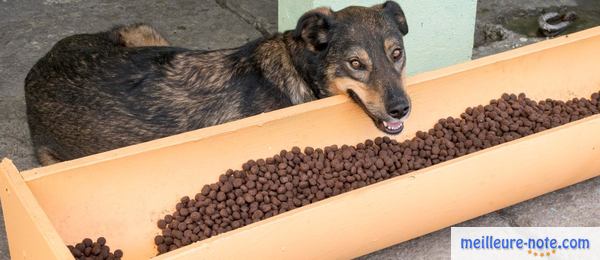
(29, 28)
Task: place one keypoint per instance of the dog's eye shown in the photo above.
(396, 54)
(355, 64)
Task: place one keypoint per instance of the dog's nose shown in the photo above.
(399, 110)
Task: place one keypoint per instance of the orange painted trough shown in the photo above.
(121, 194)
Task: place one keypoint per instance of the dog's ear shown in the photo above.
(314, 28)
(393, 10)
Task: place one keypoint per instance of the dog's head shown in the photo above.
(360, 51)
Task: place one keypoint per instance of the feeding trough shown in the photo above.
(121, 194)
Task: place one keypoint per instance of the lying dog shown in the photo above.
(96, 92)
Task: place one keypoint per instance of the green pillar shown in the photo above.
(440, 32)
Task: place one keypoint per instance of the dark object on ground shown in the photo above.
(96, 92)
(552, 24)
(488, 33)
(88, 249)
(291, 179)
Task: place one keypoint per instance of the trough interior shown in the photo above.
(121, 194)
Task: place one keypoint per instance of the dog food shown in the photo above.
(266, 187)
(89, 249)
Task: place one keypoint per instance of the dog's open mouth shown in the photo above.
(392, 127)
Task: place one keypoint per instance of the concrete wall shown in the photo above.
(440, 32)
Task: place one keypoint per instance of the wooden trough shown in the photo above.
(121, 194)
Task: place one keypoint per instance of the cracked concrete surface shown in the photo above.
(29, 28)
(255, 13)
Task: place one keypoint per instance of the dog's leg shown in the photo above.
(137, 35)
(46, 156)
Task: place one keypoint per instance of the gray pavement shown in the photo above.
(29, 28)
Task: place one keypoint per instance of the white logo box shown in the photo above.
(472, 243)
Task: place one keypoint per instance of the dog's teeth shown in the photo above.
(393, 126)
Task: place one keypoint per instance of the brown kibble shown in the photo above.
(76, 252)
(295, 178)
(101, 241)
(346, 154)
(257, 215)
(162, 248)
(159, 240)
(181, 226)
(185, 199)
(184, 212)
(96, 249)
(80, 247)
(237, 182)
(296, 150)
(223, 213)
(282, 166)
(320, 195)
(205, 190)
(289, 155)
(221, 196)
(227, 187)
(88, 242)
(379, 163)
(161, 224)
(195, 216)
(309, 150)
(249, 198)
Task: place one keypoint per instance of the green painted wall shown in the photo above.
(440, 31)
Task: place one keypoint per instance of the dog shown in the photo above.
(96, 92)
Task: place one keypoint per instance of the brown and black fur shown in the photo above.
(96, 92)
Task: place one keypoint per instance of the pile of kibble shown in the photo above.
(90, 250)
(292, 179)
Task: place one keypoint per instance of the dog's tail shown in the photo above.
(137, 35)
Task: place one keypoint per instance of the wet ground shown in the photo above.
(525, 22)
(507, 24)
